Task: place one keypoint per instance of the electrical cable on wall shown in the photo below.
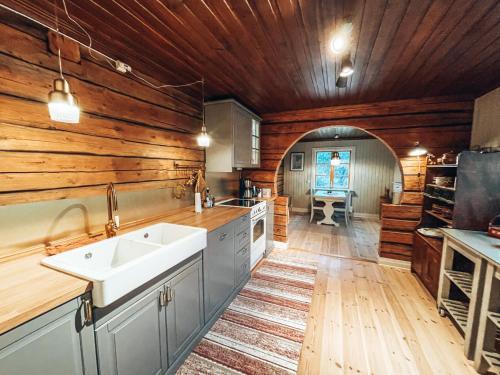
(117, 64)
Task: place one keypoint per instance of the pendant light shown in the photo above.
(335, 160)
(203, 138)
(63, 106)
(417, 150)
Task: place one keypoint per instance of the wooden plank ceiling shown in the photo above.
(273, 55)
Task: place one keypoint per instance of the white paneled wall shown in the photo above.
(375, 168)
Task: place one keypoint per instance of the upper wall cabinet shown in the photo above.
(235, 133)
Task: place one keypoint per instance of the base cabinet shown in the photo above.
(135, 341)
(426, 262)
(218, 264)
(146, 334)
(59, 342)
(184, 310)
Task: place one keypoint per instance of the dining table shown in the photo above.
(329, 197)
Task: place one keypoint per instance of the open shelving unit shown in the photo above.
(437, 208)
(459, 296)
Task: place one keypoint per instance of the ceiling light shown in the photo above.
(417, 150)
(203, 138)
(340, 42)
(336, 136)
(346, 69)
(335, 160)
(63, 106)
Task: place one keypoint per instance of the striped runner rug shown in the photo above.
(262, 330)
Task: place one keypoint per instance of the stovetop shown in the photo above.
(240, 202)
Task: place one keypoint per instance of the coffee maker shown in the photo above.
(246, 191)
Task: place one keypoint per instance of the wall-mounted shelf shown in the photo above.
(440, 217)
(442, 166)
(442, 187)
(439, 198)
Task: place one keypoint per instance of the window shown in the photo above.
(255, 142)
(342, 175)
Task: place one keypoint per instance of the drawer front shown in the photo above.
(242, 271)
(242, 255)
(242, 239)
(222, 235)
(242, 224)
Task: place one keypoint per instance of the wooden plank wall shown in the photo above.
(129, 133)
(281, 218)
(280, 178)
(440, 124)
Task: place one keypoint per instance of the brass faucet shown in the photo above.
(113, 221)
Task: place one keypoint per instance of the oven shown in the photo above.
(258, 238)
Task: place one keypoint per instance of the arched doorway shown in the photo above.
(367, 170)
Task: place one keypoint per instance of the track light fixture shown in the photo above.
(346, 69)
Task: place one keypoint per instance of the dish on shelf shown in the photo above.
(444, 181)
(430, 232)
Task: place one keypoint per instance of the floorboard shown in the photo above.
(358, 240)
(371, 319)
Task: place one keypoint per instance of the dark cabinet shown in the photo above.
(426, 261)
(60, 342)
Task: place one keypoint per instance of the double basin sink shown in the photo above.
(118, 265)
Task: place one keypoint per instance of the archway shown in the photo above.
(304, 135)
(367, 172)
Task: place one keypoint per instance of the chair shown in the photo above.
(345, 207)
(313, 207)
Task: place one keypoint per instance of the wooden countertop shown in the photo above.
(28, 289)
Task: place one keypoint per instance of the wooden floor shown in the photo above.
(372, 319)
(359, 240)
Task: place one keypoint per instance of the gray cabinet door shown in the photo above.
(56, 343)
(184, 309)
(242, 123)
(134, 341)
(218, 268)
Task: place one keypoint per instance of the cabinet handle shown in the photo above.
(163, 299)
(222, 237)
(170, 294)
(87, 310)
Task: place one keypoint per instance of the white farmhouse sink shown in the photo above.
(118, 265)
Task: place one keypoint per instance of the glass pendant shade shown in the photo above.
(63, 106)
(203, 138)
(418, 150)
(335, 161)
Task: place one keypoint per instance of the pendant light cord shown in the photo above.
(58, 40)
(112, 62)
